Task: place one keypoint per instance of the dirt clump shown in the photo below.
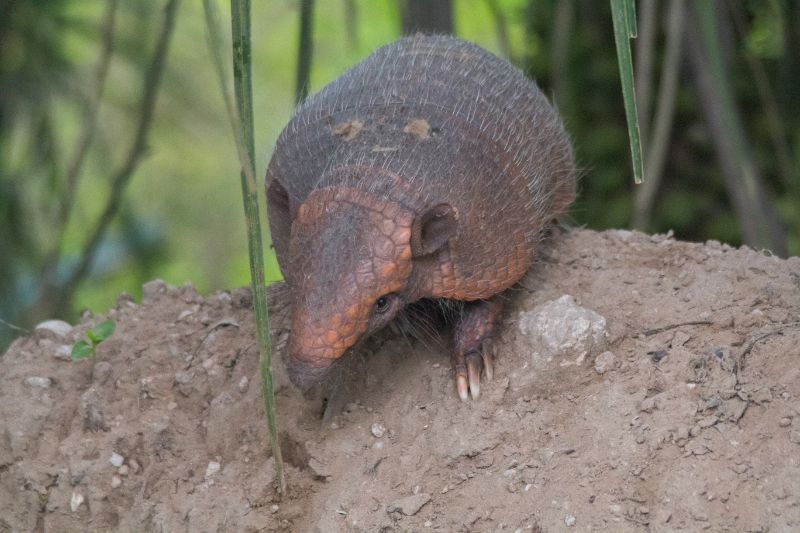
(685, 417)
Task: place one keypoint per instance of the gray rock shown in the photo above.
(319, 469)
(410, 505)
(561, 329)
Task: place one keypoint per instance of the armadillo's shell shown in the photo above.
(460, 126)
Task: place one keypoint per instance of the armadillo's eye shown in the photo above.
(382, 304)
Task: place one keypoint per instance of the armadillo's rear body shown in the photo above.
(435, 119)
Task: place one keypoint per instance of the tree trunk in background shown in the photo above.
(428, 16)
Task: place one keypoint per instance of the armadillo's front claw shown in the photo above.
(474, 374)
(462, 387)
(468, 370)
(488, 353)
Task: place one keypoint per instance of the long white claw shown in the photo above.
(474, 374)
(488, 350)
(462, 387)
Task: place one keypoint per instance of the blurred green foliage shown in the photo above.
(181, 219)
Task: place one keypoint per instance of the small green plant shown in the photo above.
(96, 335)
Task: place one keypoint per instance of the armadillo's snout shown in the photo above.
(313, 352)
(305, 374)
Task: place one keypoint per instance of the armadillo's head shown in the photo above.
(351, 261)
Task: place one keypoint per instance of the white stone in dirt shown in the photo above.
(377, 429)
(570, 520)
(563, 329)
(38, 381)
(244, 384)
(56, 327)
(116, 481)
(604, 362)
(410, 505)
(116, 459)
(212, 468)
(63, 352)
(75, 501)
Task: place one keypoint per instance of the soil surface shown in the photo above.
(683, 413)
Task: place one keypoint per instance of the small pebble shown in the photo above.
(428, 523)
(274, 508)
(63, 352)
(244, 384)
(604, 362)
(57, 327)
(75, 501)
(377, 429)
(410, 505)
(38, 381)
(648, 404)
(123, 470)
(116, 481)
(570, 520)
(708, 421)
(212, 468)
(785, 422)
(377, 445)
(116, 459)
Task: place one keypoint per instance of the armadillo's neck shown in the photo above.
(377, 182)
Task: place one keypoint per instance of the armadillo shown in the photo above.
(430, 170)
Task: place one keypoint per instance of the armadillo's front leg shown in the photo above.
(474, 348)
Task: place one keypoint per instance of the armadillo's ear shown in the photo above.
(432, 228)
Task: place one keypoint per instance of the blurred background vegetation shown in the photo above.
(117, 166)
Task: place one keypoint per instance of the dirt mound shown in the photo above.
(684, 415)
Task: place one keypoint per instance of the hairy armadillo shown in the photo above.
(427, 171)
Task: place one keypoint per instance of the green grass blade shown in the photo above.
(624, 17)
(240, 113)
